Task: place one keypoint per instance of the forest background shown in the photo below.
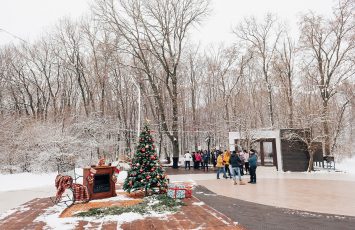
(73, 93)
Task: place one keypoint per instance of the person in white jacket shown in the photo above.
(187, 158)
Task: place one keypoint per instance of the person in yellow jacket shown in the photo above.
(220, 166)
(226, 157)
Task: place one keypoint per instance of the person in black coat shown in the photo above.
(205, 160)
(235, 163)
(253, 162)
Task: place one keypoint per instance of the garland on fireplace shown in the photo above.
(146, 173)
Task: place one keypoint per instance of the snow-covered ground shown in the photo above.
(23, 181)
(16, 189)
(50, 217)
(346, 165)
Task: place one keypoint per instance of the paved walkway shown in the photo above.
(315, 192)
(261, 217)
(335, 197)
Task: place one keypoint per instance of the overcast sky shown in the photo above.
(27, 19)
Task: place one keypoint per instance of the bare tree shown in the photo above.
(309, 132)
(155, 30)
(72, 54)
(263, 38)
(330, 45)
(343, 119)
(71, 91)
(283, 68)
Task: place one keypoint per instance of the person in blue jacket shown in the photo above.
(253, 160)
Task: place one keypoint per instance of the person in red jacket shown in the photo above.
(198, 159)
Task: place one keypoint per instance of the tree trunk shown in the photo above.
(325, 125)
(82, 95)
(290, 104)
(102, 101)
(160, 142)
(271, 112)
(227, 114)
(175, 126)
(175, 153)
(310, 163)
(194, 119)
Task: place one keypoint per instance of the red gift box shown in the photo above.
(188, 193)
(176, 191)
(187, 188)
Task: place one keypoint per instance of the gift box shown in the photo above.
(180, 190)
(176, 191)
(188, 190)
(188, 193)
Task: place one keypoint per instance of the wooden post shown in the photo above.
(274, 152)
(262, 155)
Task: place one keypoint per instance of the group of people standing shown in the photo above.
(232, 164)
(200, 159)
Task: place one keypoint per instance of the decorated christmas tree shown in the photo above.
(146, 172)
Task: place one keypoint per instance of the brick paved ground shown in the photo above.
(256, 216)
(189, 217)
(23, 218)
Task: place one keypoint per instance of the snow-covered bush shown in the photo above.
(36, 146)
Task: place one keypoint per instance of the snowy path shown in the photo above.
(12, 199)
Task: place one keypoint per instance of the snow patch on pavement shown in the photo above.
(7, 213)
(51, 218)
(309, 214)
(201, 227)
(210, 194)
(12, 211)
(198, 203)
(219, 218)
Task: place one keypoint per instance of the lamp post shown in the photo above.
(139, 106)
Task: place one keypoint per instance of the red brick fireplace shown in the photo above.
(102, 185)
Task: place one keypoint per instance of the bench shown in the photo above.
(329, 162)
